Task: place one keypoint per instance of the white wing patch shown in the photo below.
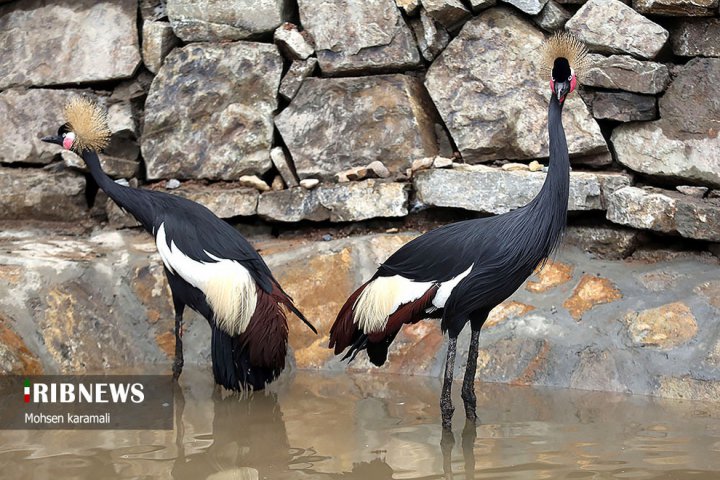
(446, 289)
(382, 297)
(227, 285)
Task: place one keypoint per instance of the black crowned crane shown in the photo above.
(210, 267)
(459, 272)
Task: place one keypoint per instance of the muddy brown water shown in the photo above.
(340, 426)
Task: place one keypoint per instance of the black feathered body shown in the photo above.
(500, 252)
(191, 238)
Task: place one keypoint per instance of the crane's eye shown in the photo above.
(570, 78)
(64, 134)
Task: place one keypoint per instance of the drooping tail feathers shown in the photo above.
(345, 332)
(255, 357)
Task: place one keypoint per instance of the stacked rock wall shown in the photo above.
(260, 101)
(285, 111)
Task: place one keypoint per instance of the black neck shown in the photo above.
(130, 199)
(551, 203)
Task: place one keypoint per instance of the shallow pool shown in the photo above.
(381, 427)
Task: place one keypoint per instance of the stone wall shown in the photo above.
(307, 115)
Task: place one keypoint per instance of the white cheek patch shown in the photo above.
(228, 286)
(68, 140)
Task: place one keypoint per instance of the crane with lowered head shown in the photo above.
(210, 267)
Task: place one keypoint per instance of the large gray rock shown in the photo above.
(209, 112)
(68, 41)
(691, 105)
(29, 115)
(333, 124)
(648, 149)
(36, 194)
(431, 36)
(342, 202)
(474, 84)
(680, 8)
(35, 113)
(216, 20)
(552, 17)
(696, 37)
(683, 144)
(666, 211)
(492, 190)
(451, 14)
(622, 72)
(359, 36)
(158, 41)
(610, 26)
(621, 106)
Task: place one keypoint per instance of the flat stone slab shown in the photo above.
(623, 72)
(493, 190)
(218, 20)
(666, 211)
(209, 113)
(610, 26)
(67, 41)
(359, 36)
(677, 8)
(343, 202)
(647, 149)
(622, 106)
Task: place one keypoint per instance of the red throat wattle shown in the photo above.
(68, 142)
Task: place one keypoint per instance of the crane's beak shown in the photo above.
(56, 139)
(561, 90)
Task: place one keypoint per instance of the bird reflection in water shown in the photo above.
(250, 441)
(256, 448)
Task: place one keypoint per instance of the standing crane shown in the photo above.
(459, 272)
(210, 267)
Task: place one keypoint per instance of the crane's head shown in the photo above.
(566, 56)
(85, 127)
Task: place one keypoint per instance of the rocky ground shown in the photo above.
(353, 117)
(644, 324)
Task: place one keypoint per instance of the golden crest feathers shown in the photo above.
(566, 45)
(88, 121)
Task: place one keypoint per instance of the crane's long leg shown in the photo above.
(178, 362)
(468, 388)
(446, 407)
